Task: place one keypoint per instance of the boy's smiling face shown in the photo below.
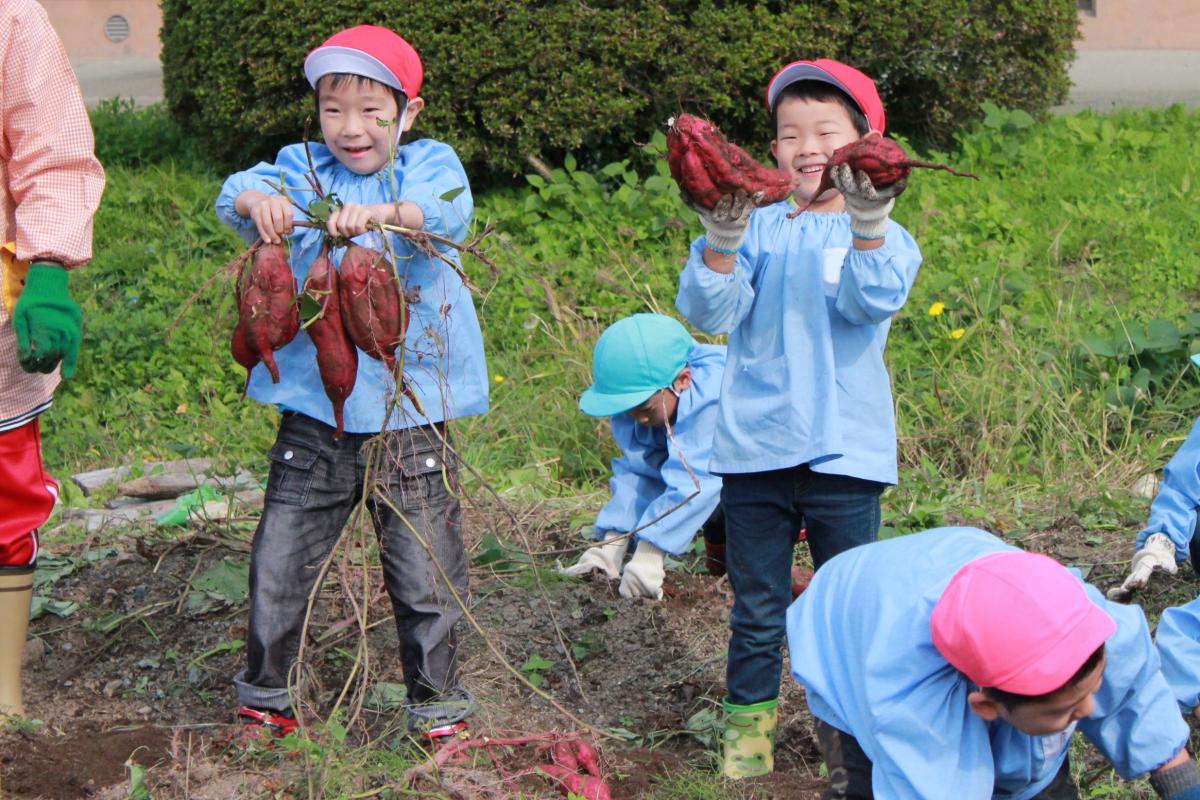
(350, 113)
(807, 133)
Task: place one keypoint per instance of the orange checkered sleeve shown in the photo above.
(52, 178)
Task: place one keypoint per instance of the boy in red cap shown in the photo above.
(367, 82)
(949, 664)
(806, 434)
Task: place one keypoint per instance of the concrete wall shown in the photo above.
(80, 24)
(1141, 25)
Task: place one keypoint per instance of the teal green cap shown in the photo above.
(1196, 359)
(633, 359)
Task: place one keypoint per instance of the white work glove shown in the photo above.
(1157, 553)
(605, 557)
(867, 206)
(643, 576)
(725, 225)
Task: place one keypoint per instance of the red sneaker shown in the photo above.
(442, 735)
(263, 723)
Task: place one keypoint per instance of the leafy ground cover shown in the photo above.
(1040, 367)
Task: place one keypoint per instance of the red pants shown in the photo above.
(27, 495)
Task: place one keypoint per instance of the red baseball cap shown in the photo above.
(372, 52)
(1019, 622)
(858, 86)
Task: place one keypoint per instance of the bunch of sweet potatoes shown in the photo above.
(362, 307)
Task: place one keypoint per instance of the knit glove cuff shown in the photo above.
(726, 223)
(1181, 782)
(869, 208)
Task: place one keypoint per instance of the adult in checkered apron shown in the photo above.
(50, 185)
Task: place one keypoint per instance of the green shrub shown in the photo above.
(508, 80)
(129, 136)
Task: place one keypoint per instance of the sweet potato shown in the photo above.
(588, 787)
(707, 166)
(562, 754)
(242, 353)
(268, 314)
(376, 316)
(337, 359)
(883, 160)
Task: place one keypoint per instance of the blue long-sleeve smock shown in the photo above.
(861, 645)
(443, 350)
(807, 318)
(1173, 511)
(1178, 643)
(650, 478)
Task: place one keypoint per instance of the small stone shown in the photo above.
(35, 651)
(111, 687)
(144, 711)
(1146, 486)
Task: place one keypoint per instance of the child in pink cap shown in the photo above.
(949, 664)
(367, 83)
(806, 432)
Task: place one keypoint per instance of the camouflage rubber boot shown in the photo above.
(749, 739)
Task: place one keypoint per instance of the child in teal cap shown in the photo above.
(650, 377)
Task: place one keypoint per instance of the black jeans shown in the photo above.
(763, 513)
(850, 770)
(314, 485)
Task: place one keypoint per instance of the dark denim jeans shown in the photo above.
(314, 485)
(850, 770)
(1194, 547)
(764, 512)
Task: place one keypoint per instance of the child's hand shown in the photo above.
(274, 217)
(352, 219)
(868, 207)
(725, 225)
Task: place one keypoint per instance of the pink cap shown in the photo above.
(1019, 622)
(858, 86)
(372, 52)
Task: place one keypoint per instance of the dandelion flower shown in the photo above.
(957, 333)
(498, 379)
(936, 309)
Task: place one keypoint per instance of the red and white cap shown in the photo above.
(370, 51)
(857, 85)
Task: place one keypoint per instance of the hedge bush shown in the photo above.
(506, 80)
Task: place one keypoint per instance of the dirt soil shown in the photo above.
(142, 671)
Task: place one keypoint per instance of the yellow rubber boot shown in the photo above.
(16, 592)
(748, 747)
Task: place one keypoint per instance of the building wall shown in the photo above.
(81, 23)
(1140, 25)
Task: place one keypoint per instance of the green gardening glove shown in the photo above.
(47, 321)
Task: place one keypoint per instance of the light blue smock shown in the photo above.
(1178, 643)
(1173, 511)
(861, 645)
(650, 478)
(443, 350)
(807, 318)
